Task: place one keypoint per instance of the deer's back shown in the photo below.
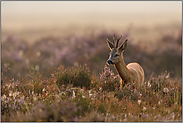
(137, 72)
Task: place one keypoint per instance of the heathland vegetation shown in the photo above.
(65, 79)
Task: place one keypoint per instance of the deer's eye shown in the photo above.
(116, 55)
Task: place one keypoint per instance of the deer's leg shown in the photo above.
(120, 87)
(122, 84)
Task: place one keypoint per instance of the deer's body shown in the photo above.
(132, 73)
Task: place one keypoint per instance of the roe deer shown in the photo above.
(132, 73)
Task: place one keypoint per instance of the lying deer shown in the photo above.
(132, 73)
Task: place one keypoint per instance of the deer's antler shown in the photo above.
(118, 41)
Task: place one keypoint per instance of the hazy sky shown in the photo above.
(39, 7)
(14, 13)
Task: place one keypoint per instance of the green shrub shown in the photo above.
(78, 76)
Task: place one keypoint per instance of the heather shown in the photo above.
(58, 99)
(19, 57)
(66, 79)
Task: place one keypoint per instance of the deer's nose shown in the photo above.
(109, 62)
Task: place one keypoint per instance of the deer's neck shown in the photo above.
(123, 71)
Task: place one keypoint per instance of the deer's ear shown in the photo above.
(110, 45)
(123, 45)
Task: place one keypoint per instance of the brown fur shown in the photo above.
(132, 73)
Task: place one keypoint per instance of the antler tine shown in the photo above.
(108, 40)
(118, 41)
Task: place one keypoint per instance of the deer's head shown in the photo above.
(115, 54)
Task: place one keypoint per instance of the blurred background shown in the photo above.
(45, 34)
